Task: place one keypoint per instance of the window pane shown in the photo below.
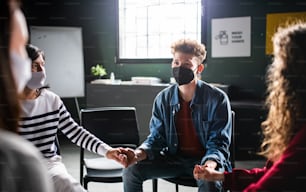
(148, 27)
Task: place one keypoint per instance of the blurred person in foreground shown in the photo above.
(21, 166)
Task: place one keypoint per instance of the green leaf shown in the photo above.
(98, 70)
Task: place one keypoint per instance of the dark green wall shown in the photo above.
(97, 19)
(247, 74)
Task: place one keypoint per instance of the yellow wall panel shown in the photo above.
(276, 20)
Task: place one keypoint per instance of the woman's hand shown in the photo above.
(118, 154)
(126, 156)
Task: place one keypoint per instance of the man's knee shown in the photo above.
(205, 186)
(130, 172)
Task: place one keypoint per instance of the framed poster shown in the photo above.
(231, 37)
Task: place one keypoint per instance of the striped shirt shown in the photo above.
(44, 116)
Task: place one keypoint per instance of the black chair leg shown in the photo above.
(154, 184)
(176, 187)
(85, 184)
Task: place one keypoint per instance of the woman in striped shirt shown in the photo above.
(44, 114)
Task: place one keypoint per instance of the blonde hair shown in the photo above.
(286, 86)
(190, 47)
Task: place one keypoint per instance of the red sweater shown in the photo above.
(287, 174)
(189, 142)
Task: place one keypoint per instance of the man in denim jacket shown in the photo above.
(190, 125)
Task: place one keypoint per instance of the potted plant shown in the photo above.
(98, 70)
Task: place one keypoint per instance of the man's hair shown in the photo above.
(190, 47)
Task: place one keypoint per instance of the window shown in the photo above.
(146, 28)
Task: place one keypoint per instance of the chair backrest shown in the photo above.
(115, 126)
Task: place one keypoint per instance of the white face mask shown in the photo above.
(38, 80)
(21, 69)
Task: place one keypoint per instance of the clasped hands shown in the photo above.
(126, 156)
(208, 172)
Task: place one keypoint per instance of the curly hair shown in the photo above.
(286, 86)
(190, 47)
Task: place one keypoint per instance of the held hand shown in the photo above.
(201, 172)
(211, 164)
(134, 156)
(117, 155)
(131, 157)
(207, 173)
(198, 172)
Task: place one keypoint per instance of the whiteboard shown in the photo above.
(63, 50)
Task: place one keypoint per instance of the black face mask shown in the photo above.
(182, 75)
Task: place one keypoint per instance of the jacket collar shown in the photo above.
(195, 100)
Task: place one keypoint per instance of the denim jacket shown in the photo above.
(211, 114)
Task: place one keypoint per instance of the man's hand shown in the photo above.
(126, 156)
(131, 157)
(210, 164)
(207, 173)
(134, 156)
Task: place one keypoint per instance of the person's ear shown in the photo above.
(201, 68)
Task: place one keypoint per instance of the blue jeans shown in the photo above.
(164, 167)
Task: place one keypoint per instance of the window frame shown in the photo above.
(119, 60)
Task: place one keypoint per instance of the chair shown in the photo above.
(190, 181)
(116, 126)
(57, 144)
